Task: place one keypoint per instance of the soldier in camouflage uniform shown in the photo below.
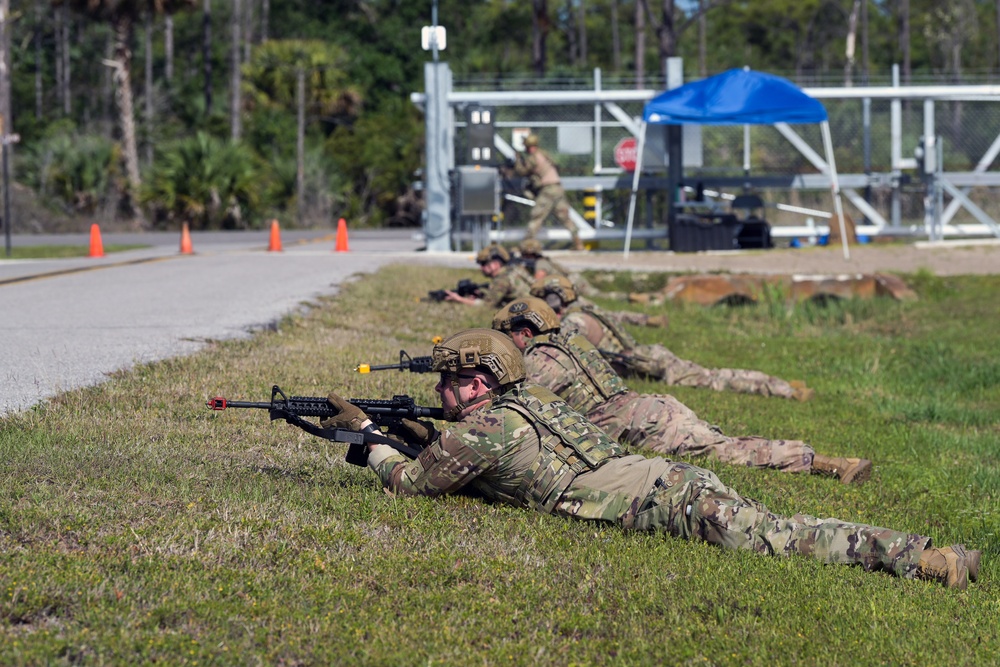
(542, 266)
(547, 188)
(520, 444)
(508, 280)
(631, 359)
(575, 371)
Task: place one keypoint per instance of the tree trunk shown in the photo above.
(864, 43)
(702, 40)
(571, 35)
(39, 83)
(300, 143)
(616, 39)
(59, 58)
(265, 16)
(904, 39)
(998, 34)
(5, 29)
(122, 64)
(852, 31)
(667, 34)
(539, 30)
(168, 49)
(234, 111)
(148, 88)
(640, 44)
(206, 54)
(66, 53)
(247, 30)
(582, 25)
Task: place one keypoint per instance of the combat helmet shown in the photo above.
(479, 349)
(531, 140)
(554, 285)
(493, 251)
(526, 311)
(531, 248)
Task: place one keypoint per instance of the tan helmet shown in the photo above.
(531, 248)
(560, 286)
(480, 349)
(531, 140)
(493, 251)
(526, 311)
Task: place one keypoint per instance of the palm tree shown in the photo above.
(122, 15)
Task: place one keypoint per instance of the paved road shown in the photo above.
(66, 323)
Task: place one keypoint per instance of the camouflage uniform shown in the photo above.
(512, 282)
(549, 194)
(630, 359)
(527, 448)
(574, 370)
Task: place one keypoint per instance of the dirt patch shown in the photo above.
(944, 258)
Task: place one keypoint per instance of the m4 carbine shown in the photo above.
(384, 413)
(465, 287)
(406, 363)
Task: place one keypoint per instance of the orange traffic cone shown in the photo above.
(275, 244)
(341, 236)
(96, 247)
(186, 248)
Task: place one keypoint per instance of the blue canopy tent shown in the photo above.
(737, 97)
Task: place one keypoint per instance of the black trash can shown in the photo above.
(754, 233)
(692, 233)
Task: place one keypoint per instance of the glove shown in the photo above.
(350, 416)
(418, 432)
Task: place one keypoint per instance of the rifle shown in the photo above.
(383, 413)
(406, 363)
(465, 288)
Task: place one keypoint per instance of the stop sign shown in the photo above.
(625, 153)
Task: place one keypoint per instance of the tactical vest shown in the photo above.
(596, 384)
(568, 445)
(619, 337)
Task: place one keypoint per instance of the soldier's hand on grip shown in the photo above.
(350, 416)
(417, 432)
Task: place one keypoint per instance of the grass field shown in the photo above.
(60, 251)
(137, 526)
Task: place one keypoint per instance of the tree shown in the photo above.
(122, 16)
(300, 75)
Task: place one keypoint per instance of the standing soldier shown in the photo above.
(519, 444)
(547, 189)
(508, 280)
(630, 359)
(575, 371)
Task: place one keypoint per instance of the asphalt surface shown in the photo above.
(68, 323)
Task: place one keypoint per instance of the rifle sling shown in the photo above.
(345, 435)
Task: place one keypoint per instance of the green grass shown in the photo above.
(137, 526)
(61, 251)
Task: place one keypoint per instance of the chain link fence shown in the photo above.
(583, 146)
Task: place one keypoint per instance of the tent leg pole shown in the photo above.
(635, 187)
(835, 186)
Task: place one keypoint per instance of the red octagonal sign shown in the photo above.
(625, 153)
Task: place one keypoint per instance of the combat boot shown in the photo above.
(849, 470)
(657, 321)
(800, 392)
(953, 566)
(638, 297)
